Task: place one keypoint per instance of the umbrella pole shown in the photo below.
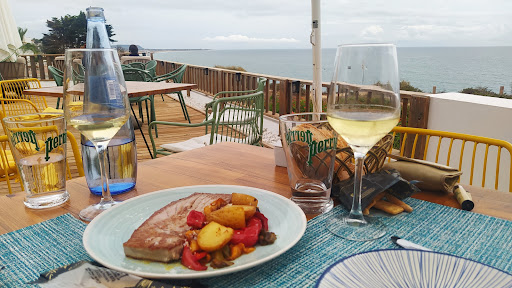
(316, 42)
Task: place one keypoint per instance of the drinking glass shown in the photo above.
(95, 76)
(363, 106)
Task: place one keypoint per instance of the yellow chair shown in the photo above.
(8, 169)
(15, 89)
(415, 143)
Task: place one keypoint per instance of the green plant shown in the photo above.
(483, 91)
(406, 86)
(17, 51)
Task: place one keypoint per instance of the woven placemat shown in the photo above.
(38, 248)
(56, 242)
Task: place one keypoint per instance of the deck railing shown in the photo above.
(283, 95)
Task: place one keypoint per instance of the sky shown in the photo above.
(284, 24)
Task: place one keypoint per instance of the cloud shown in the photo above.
(243, 38)
(372, 32)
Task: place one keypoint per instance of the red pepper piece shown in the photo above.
(196, 219)
(263, 219)
(200, 255)
(189, 260)
(248, 235)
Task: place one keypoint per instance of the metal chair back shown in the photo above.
(449, 149)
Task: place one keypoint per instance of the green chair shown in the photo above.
(151, 68)
(176, 76)
(228, 119)
(138, 65)
(58, 76)
(134, 74)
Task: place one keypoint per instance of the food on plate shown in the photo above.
(200, 229)
(230, 215)
(243, 199)
(161, 236)
(214, 236)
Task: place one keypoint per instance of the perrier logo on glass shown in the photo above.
(314, 146)
(29, 137)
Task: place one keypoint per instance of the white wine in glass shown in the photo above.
(363, 106)
(95, 77)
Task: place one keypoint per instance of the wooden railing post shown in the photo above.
(502, 90)
(434, 90)
(418, 118)
(284, 97)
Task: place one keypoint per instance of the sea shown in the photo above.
(450, 69)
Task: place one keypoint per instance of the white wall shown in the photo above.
(476, 115)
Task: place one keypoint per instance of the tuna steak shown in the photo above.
(161, 236)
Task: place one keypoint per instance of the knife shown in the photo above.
(407, 244)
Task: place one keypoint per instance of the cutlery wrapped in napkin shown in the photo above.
(92, 274)
(376, 186)
(429, 176)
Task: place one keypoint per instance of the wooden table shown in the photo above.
(135, 89)
(223, 163)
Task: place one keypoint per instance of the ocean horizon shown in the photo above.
(450, 69)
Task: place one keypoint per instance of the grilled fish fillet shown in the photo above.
(161, 236)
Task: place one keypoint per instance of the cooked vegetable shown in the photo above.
(218, 260)
(231, 216)
(196, 219)
(213, 236)
(217, 204)
(236, 250)
(248, 210)
(249, 235)
(189, 260)
(264, 220)
(243, 199)
(267, 238)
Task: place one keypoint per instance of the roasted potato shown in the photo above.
(231, 216)
(214, 236)
(248, 210)
(243, 199)
(215, 205)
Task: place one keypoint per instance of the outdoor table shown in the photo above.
(134, 89)
(222, 163)
(240, 164)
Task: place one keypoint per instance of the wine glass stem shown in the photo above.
(101, 147)
(356, 213)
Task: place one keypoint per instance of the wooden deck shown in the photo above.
(168, 110)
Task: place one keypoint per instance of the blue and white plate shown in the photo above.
(411, 268)
(105, 235)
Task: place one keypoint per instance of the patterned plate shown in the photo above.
(411, 268)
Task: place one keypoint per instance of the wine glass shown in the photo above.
(363, 106)
(96, 75)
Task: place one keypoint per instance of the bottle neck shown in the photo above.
(97, 36)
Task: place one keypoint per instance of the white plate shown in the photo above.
(411, 268)
(105, 235)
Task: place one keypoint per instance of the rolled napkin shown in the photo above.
(430, 176)
(464, 198)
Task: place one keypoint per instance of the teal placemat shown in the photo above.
(478, 237)
(38, 248)
(57, 242)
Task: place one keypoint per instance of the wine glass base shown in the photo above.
(94, 210)
(356, 230)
